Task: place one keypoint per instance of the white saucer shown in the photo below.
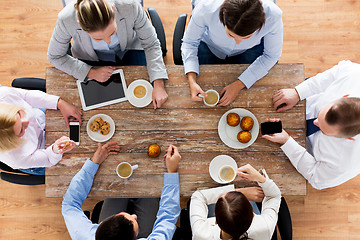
(97, 136)
(228, 134)
(217, 163)
(140, 102)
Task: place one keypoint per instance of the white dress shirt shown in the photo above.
(31, 153)
(328, 161)
(205, 26)
(261, 228)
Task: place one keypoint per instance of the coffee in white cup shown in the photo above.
(125, 170)
(227, 174)
(140, 91)
(212, 98)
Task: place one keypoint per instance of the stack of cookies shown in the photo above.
(100, 124)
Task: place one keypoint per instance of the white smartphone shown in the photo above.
(74, 132)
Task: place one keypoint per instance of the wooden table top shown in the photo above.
(191, 126)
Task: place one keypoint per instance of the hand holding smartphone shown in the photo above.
(74, 132)
(271, 127)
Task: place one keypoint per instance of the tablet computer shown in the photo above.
(95, 94)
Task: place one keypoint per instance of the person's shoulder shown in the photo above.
(68, 13)
(205, 8)
(125, 3)
(272, 11)
(6, 91)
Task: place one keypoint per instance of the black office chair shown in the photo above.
(284, 223)
(30, 83)
(177, 39)
(17, 177)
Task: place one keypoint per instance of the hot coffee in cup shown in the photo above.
(212, 98)
(140, 91)
(227, 174)
(125, 170)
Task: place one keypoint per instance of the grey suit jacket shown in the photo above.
(134, 30)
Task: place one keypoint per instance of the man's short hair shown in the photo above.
(345, 113)
(115, 227)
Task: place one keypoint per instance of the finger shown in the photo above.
(278, 103)
(66, 121)
(113, 153)
(222, 92)
(154, 103)
(284, 108)
(202, 92)
(197, 98)
(277, 96)
(176, 151)
(158, 103)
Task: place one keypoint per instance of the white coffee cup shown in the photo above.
(124, 170)
(227, 173)
(212, 98)
(140, 91)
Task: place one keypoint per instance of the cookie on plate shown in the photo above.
(105, 128)
(94, 126)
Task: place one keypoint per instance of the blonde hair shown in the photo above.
(8, 139)
(94, 15)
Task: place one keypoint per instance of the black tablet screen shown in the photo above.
(95, 92)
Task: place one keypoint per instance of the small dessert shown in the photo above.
(67, 144)
(233, 119)
(99, 120)
(247, 123)
(244, 136)
(94, 126)
(105, 128)
(154, 150)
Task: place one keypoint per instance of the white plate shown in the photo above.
(140, 102)
(97, 136)
(228, 134)
(217, 163)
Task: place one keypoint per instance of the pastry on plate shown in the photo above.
(244, 136)
(99, 120)
(105, 128)
(94, 126)
(247, 123)
(233, 119)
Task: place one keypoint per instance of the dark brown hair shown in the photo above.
(345, 112)
(114, 228)
(242, 17)
(94, 15)
(234, 214)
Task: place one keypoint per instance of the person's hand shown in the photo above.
(172, 158)
(230, 92)
(254, 194)
(68, 110)
(62, 145)
(101, 74)
(285, 99)
(159, 95)
(277, 137)
(195, 89)
(249, 173)
(104, 151)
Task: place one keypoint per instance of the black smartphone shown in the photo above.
(74, 132)
(271, 127)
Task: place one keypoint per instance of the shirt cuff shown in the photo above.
(171, 178)
(191, 66)
(54, 158)
(247, 78)
(303, 90)
(52, 102)
(289, 148)
(90, 167)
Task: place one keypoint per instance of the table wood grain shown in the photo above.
(191, 126)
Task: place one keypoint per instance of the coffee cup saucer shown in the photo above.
(140, 102)
(218, 162)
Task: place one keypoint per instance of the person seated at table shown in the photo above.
(332, 98)
(106, 34)
(122, 225)
(231, 32)
(235, 217)
(22, 129)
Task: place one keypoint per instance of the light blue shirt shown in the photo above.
(205, 26)
(81, 228)
(107, 52)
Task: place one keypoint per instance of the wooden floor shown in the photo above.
(318, 33)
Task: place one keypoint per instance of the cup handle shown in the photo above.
(134, 167)
(200, 95)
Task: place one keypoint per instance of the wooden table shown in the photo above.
(189, 125)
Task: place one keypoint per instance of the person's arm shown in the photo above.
(200, 225)
(57, 52)
(272, 51)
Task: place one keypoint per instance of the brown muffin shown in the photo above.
(247, 123)
(244, 136)
(233, 119)
(154, 150)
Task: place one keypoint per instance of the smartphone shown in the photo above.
(271, 127)
(74, 132)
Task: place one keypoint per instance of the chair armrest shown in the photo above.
(156, 22)
(177, 39)
(23, 179)
(30, 83)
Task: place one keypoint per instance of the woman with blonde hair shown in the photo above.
(22, 129)
(106, 34)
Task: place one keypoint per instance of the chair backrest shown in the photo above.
(17, 177)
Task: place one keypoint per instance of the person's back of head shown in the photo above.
(242, 17)
(8, 139)
(114, 228)
(345, 112)
(94, 15)
(234, 214)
